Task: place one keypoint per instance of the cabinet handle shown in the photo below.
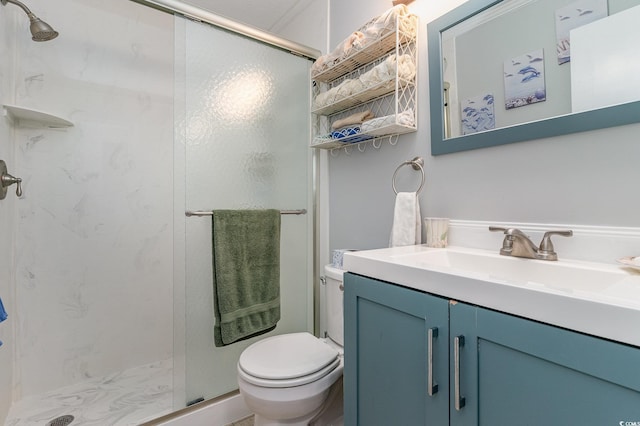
(432, 388)
(458, 342)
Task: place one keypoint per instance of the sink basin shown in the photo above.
(562, 275)
(595, 298)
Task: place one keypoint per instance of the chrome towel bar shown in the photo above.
(210, 213)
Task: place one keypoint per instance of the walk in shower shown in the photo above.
(113, 303)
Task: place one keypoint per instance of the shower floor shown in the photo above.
(127, 398)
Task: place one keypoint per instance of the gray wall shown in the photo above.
(586, 178)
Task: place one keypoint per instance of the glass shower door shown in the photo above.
(244, 129)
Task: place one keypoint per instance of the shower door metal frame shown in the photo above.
(201, 15)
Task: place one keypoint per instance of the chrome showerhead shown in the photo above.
(40, 30)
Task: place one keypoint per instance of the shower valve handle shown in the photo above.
(6, 180)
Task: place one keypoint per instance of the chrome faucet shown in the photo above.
(517, 243)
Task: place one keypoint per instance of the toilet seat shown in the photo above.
(289, 383)
(287, 360)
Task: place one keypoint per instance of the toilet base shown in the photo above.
(330, 413)
(300, 421)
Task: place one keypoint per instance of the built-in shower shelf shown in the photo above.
(29, 117)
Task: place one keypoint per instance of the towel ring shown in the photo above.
(417, 164)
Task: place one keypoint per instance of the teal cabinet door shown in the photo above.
(514, 371)
(392, 336)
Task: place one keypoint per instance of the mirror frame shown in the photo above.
(616, 115)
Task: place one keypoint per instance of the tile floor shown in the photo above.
(244, 422)
(127, 398)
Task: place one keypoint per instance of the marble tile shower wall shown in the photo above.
(7, 209)
(94, 229)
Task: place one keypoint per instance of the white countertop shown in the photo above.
(598, 299)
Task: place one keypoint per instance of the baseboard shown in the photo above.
(590, 243)
(219, 411)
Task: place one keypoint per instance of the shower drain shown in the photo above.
(61, 421)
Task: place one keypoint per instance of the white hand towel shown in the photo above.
(406, 229)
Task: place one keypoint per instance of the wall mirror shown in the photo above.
(515, 70)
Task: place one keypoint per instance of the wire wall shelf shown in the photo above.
(378, 81)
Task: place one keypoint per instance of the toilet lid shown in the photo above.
(287, 356)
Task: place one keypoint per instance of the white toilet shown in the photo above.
(288, 379)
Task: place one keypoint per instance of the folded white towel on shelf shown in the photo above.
(345, 89)
(349, 87)
(406, 67)
(377, 126)
(406, 229)
(386, 70)
(387, 21)
(326, 98)
(356, 118)
(368, 34)
(354, 41)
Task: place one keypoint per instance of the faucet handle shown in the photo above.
(497, 229)
(547, 251)
(507, 243)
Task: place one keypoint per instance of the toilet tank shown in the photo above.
(334, 309)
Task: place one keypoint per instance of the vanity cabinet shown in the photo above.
(518, 371)
(502, 369)
(387, 352)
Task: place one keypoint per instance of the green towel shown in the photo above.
(246, 273)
